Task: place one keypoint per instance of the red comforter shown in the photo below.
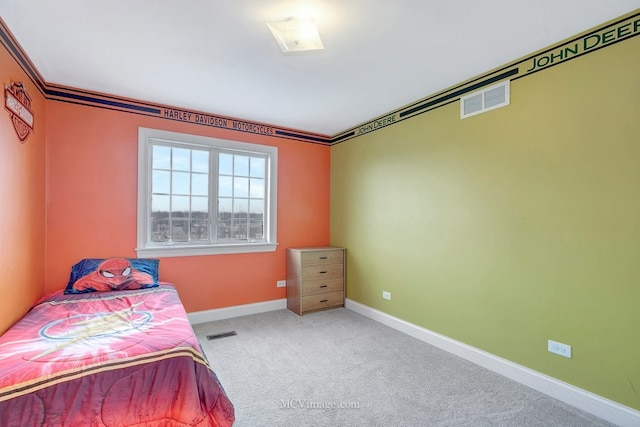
(126, 358)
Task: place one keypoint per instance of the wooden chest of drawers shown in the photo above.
(315, 278)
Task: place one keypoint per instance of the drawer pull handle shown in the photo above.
(324, 300)
(323, 272)
(323, 286)
(324, 257)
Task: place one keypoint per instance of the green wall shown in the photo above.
(512, 227)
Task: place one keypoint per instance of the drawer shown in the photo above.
(322, 257)
(334, 271)
(316, 302)
(312, 287)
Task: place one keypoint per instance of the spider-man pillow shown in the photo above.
(112, 274)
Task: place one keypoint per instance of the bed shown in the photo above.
(117, 357)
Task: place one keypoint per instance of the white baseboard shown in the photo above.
(589, 402)
(235, 311)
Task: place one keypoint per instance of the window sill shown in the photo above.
(176, 250)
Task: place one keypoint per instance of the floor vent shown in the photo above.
(221, 335)
(488, 99)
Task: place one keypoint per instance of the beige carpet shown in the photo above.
(338, 368)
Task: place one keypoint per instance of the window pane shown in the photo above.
(181, 159)
(241, 165)
(200, 184)
(240, 187)
(199, 207)
(159, 204)
(159, 229)
(239, 229)
(200, 161)
(256, 187)
(256, 208)
(160, 182)
(161, 157)
(180, 182)
(225, 186)
(200, 229)
(256, 230)
(224, 230)
(180, 230)
(240, 208)
(225, 162)
(179, 206)
(225, 208)
(257, 167)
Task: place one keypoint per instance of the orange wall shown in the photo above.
(92, 201)
(22, 196)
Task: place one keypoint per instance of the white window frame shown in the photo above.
(147, 249)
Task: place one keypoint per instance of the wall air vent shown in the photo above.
(490, 98)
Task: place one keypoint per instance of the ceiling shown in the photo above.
(220, 58)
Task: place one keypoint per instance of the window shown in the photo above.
(200, 196)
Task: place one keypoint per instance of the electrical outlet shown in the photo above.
(386, 295)
(281, 283)
(560, 349)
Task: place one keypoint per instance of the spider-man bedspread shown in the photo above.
(126, 358)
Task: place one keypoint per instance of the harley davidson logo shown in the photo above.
(18, 103)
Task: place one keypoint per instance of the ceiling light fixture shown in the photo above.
(296, 35)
